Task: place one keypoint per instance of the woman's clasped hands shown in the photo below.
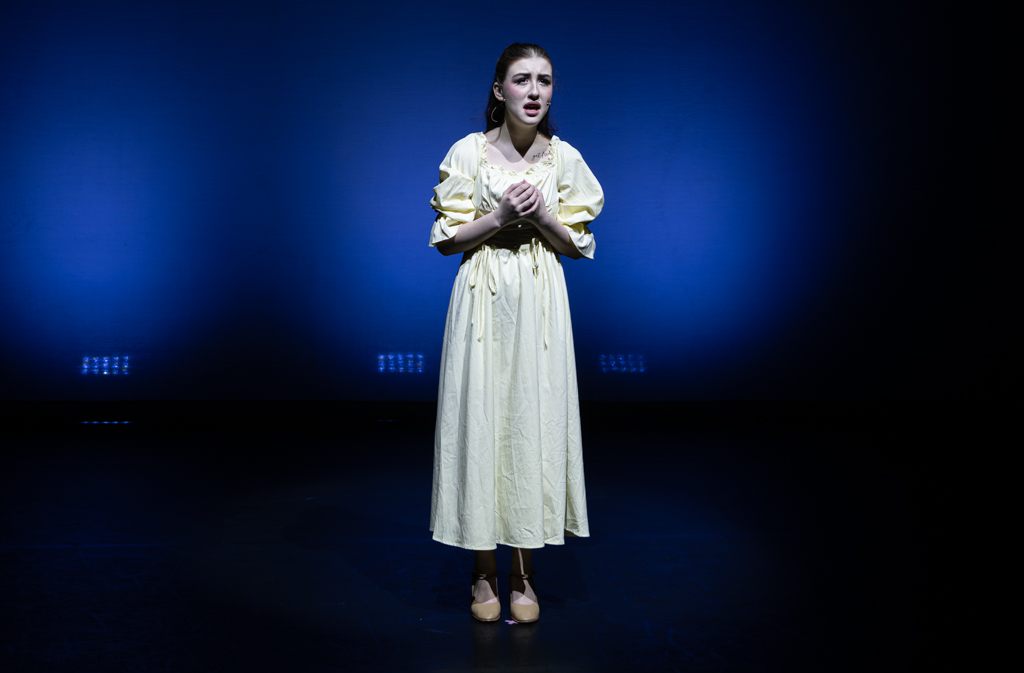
(521, 201)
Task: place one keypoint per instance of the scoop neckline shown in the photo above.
(550, 161)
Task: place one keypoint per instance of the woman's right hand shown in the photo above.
(518, 201)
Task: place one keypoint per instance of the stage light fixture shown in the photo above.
(629, 363)
(400, 363)
(106, 365)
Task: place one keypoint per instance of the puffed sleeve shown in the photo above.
(580, 198)
(453, 196)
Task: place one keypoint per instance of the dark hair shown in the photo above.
(515, 52)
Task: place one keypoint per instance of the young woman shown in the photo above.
(508, 463)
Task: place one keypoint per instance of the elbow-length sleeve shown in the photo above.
(453, 196)
(580, 198)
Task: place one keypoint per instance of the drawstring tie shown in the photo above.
(481, 264)
(535, 254)
(483, 272)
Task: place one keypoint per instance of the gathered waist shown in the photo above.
(527, 244)
(514, 236)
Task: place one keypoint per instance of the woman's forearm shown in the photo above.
(471, 234)
(557, 234)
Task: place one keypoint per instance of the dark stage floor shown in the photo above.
(725, 538)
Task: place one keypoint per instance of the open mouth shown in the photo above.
(532, 107)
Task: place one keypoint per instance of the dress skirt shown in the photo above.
(508, 462)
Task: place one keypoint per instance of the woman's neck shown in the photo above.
(521, 139)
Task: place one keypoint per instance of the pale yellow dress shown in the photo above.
(508, 462)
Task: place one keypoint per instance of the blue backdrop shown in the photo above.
(235, 196)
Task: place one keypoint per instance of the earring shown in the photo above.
(493, 110)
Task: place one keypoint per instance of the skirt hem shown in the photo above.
(557, 541)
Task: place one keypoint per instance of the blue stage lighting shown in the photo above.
(145, 201)
(629, 363)
(106, 365)
(400, 363)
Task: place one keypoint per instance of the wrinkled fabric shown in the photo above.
(508, 457)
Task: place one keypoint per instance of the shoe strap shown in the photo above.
(526, 577)
(491, 578)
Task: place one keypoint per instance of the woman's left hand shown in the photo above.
(556, 234)
(539, 209)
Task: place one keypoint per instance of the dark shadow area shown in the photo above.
(725, 537)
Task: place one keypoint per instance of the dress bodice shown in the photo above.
(493, 180)
(470, 187)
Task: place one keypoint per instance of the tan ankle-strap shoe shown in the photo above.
(485, 612)
(529, 612)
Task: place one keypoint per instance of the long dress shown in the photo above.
(508, 456)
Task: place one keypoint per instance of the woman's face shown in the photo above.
(526, 91)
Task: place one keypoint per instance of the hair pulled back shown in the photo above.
(495, 108)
